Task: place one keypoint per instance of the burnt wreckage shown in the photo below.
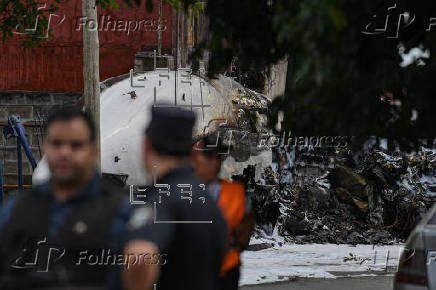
(322, 195)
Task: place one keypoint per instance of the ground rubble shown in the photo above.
(323, 195)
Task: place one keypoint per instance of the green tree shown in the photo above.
(337, 73)
(19, 18)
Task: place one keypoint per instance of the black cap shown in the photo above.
(170, 130)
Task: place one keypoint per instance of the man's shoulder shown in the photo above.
(234, 192)
(26, 195)
(235, 185)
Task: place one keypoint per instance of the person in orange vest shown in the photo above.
(208, 154)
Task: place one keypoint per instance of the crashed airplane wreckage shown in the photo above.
(221, 105)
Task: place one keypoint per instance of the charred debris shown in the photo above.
(323, 195)
(328, 194)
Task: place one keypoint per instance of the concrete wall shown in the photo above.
(26, 105)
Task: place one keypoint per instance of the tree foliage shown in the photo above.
(340, 65)
(27, 19)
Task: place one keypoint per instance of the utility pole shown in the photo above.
(91, 76)
(159, 32)
(176, 62)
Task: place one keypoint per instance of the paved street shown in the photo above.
(355, 283)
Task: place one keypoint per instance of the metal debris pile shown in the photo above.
(250, 100)
(323, 195)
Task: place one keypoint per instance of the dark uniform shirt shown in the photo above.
(188, 228)
(60, 212)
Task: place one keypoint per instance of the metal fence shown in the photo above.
(16, 170)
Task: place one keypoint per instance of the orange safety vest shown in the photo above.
(232, 204)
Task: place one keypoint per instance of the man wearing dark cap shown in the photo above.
(178, 221)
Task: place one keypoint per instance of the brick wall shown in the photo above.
(26, 105)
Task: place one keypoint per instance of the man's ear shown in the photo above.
(196, 149)
(147, 149)
(146, 145)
